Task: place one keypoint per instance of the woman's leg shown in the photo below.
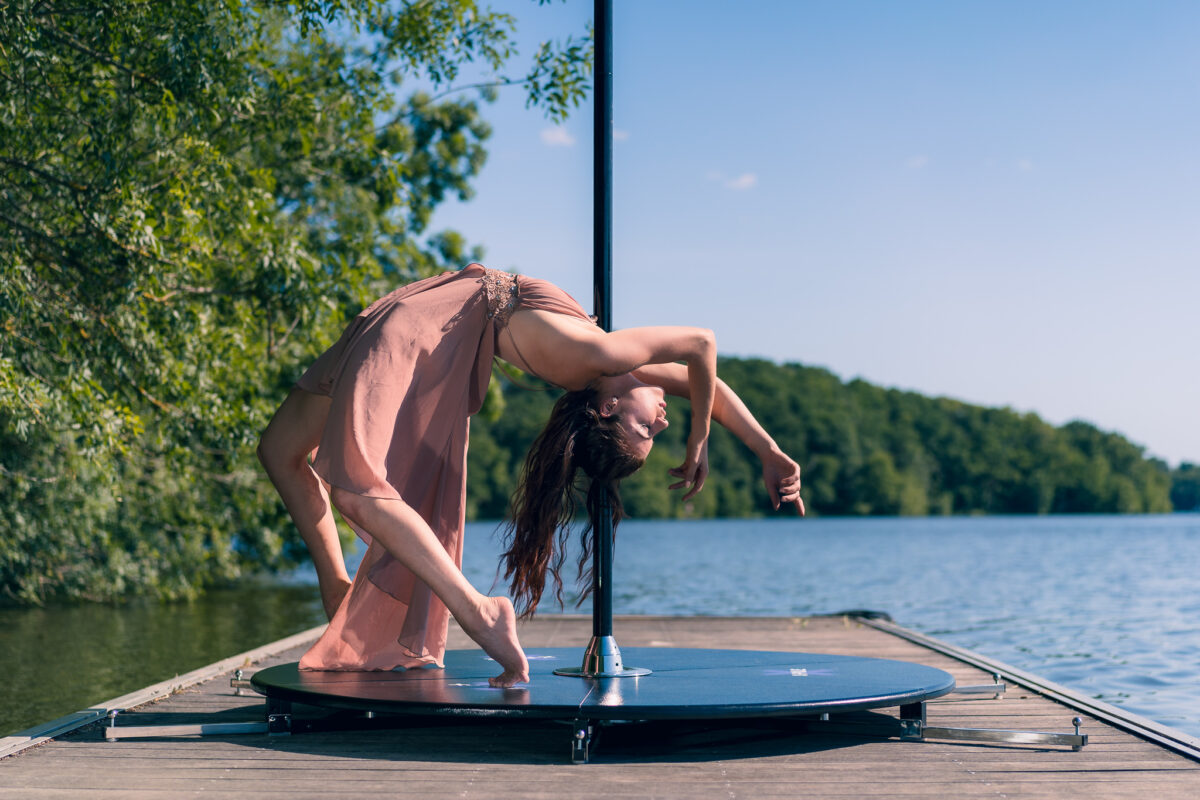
(490, 621)
(293, 433)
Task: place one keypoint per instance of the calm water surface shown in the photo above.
(1105, 605)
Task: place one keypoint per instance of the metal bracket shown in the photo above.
(238, 683)
(602, 659)
(996, 688)
(279, 717)
(1075, 741)
(912, 727)
(278, 723)
(112, 733)
(583, 734)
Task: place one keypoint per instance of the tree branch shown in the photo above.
(13, 162)
(64, 38)
(274, 343)
(9, 473)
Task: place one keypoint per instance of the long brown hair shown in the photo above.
(576, 437)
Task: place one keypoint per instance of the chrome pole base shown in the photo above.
(602, 659)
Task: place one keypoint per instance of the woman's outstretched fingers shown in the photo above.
(792, 495)
(692, 472)
(781, 476)
(692, 478)
(686, 474)
(697, 484)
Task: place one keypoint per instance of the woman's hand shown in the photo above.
(693, 471)
(782, 478)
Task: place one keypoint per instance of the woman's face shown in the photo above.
(642, 409)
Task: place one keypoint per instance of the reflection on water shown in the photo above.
(1107, 606)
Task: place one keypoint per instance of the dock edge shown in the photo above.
(1162, 735)
(31, 737)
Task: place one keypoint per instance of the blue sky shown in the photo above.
(997, 202)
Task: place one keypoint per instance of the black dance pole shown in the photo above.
(602, 168)
(602, 537)
(602, 659)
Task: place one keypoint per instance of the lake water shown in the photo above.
(1106, 605)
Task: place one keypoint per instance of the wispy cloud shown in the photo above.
(742, 182)
(747, 180)
(557, 137)
(1024, 164)
(917, 162)
(620, 135)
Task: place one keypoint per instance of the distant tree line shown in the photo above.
(1185, 487)
(865, 450)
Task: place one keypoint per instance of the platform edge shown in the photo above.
(31, 737)
(1175, 740)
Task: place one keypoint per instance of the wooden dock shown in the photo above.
(473, 758)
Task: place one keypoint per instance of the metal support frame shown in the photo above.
(911, 725)
(112, 732)
(996, 689)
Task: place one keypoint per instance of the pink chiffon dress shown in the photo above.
(404, 379)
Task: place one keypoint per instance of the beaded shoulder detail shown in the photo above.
(501, 289)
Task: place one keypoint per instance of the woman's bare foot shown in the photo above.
(495, 629)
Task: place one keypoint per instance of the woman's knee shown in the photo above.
(275, 454)
(294, 431)
(346, 502)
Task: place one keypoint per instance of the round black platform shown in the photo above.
(685, 684)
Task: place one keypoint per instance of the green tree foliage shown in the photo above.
(195, 195)
(1185, 487)
(867, 450)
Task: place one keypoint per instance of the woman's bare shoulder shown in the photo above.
(556, 347)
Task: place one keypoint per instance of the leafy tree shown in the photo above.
(195, 195)
(1185, 487)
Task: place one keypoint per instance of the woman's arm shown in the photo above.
(781, 474)
(646, 348)
(571, 353)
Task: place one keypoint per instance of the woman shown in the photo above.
(384, 415)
